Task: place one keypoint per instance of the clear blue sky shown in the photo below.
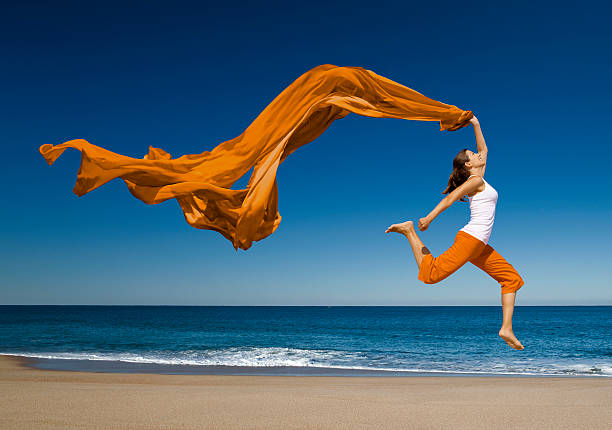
(185, 77)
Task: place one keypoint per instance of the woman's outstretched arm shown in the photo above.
(480, 142)
(466, 188)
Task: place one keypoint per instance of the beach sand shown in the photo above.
(45, 399)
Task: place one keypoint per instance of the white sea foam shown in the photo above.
(291, 357)
(251, 357)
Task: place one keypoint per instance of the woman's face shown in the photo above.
(475, 160)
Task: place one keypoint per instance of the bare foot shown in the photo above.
(402, 228)
(510, 338)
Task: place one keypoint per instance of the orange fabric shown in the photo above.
(201, 183)
(468, 248)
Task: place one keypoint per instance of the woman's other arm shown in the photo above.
(467, 187)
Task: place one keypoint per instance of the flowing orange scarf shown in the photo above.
(201, 183)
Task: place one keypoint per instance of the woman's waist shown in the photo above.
(481, 221)
(482, 208)
(477, 226)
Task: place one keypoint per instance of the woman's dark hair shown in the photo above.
(460, 173)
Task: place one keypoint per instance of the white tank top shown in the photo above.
(482, 213)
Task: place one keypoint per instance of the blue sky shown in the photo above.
(186, 76)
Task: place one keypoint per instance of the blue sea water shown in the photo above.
(306, 340)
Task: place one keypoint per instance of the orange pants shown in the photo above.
(468, 248)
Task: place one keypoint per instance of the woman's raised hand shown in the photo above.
(474, 120)
(424, 223)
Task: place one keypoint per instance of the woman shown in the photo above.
(471, 242)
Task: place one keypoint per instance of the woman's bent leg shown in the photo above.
(434, 269)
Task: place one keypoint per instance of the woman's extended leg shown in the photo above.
(510, 281)
(506, 332)
(407, 229)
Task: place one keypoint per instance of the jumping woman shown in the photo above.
(471, 242)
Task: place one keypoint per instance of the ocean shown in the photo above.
(570, 341)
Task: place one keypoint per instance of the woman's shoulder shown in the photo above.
(477, 179)
(481, 188)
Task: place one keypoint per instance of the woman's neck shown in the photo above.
(476, 171)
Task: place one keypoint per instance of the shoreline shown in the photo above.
(34, 398)
(127, 367)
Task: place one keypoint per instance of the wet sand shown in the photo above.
(47, 399)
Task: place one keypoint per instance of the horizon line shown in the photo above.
(310, 306)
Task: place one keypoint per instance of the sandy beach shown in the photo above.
(44, 399)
